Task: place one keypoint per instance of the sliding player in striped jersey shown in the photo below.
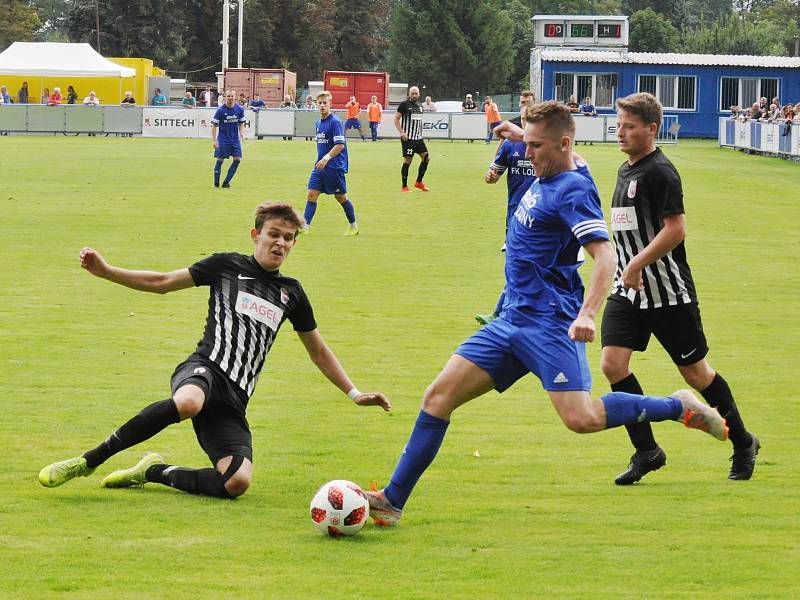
(249, 301)
(546, 320)
(654, 293)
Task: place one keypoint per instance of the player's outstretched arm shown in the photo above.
(325, 360)
(145, 281)
(605, 262)
(508, 131)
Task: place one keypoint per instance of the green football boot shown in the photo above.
(485, 319)
(61, 472)
(133, 477)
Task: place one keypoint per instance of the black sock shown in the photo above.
(404, 173)
(423, 166)
(719, 395)
(208, 482)
(143, 426)
(641, 434)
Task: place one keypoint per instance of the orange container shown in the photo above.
(271, 84)
(362, 85)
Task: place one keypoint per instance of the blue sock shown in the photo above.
(623, 408)
(349, 211)
(311, 208)
(421, 449)
(231, 171)
(217, 171)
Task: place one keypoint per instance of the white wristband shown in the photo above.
(328, 157)
(353, 393)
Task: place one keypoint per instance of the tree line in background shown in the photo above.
(448, 46)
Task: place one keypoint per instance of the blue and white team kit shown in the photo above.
(228, 119)
(330, 180)
(554, 219)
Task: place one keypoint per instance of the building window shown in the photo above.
(600, 87)
(745, 91)
(675, 92)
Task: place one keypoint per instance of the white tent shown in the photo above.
(55, 59)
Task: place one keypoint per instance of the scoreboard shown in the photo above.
(580, 31)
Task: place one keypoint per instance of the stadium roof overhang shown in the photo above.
(654, 58)
(55, 59)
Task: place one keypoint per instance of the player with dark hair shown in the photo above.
(328, 174)
(654, 293)
(546, 320)
(408, 122)
(249, 301)
(229, 120)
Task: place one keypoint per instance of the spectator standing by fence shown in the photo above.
(257, 103)
(23, 96)
(55, 97)
(374, 114)
(428, 105)
(45, 97)
(158, 98)
(493, 118)
(72, 95)
(188, 101)
(4, 93)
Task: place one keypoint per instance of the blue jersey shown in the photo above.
(556, 216)
(228, 119)
(511, 157)
(329, 134)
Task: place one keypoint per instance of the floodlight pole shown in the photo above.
(239, 37)
(97, 22)
(226, 6)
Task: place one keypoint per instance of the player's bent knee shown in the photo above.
(237, 476)
(437, 402)
(189, 401)
(238, 484)
(581, 422)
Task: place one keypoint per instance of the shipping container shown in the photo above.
(271, 84)
(274, 84)
(362, 85)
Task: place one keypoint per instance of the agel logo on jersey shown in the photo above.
(259, 309)
(623, 218)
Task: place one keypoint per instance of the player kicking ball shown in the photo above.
(249, 301)
(229, 122)
(546, 320)
(327, 176)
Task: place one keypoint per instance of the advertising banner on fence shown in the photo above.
(185, 122)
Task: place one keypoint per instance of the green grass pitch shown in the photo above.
(535, 515)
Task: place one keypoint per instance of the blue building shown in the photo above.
(698, 88)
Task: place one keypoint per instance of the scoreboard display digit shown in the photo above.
(581, 30)
(553, 30)
(609, 31)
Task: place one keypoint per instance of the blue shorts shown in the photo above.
(542, 347)
(352, 123)
(228, 149)
(328, 181)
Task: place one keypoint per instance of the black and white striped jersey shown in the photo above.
(246, 307)
(411, 119)
(646, 192)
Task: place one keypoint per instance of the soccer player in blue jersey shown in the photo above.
(546, 320)
(229, 122)
(327, 176)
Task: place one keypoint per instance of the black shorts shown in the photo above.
(412, 147)
(677, 328)
(221, 426)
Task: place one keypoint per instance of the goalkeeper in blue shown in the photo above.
(546, 319)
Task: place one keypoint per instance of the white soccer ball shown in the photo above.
(339, 508)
